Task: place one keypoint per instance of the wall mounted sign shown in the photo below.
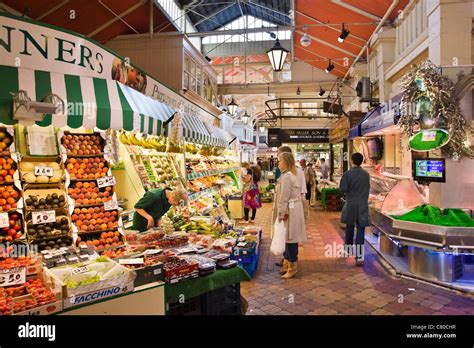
(33, 45)
(297, 136)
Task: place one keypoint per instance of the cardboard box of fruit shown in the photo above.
(10, 197)
(86, 193)
(84, 168)
(61, 227)
(14, 230)
(35, 297)
(148, 270)
(82, 144)
(7, 146)
(90, 281)
(45, 199)
(8, 170)
(41, 171)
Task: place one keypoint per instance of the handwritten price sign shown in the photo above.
(12, 276)
(4, 220)
(111, 205)
(106, 181)
(80, 270)
(136, 261)
(43, 170)
(44, 217)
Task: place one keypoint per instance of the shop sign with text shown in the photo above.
(32, 45)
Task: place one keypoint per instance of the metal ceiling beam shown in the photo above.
(238, 31)
(356, 9)
(51, 10)
(268, 8)
(117, 17)
(326, 58)
(268, 14)
(273, 87)
(213, 14)
(330, 26)
(350, 54)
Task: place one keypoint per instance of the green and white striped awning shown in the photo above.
(194, 130)
(90, 102)
(220, 137)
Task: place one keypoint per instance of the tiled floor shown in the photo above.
(331, 285)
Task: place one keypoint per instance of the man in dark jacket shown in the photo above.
(355, 184)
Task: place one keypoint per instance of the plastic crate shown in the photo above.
(188, 307)
(223, 301)
(252, 258)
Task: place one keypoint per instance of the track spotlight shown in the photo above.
(298, 91)
(344, 34)
(329, 68)
(321, 91)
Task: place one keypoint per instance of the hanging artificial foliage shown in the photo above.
(429, 109)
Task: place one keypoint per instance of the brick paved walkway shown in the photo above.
(335, 286)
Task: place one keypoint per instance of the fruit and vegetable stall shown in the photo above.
(68, 202)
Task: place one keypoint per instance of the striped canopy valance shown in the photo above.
(89, 102)
(195, 131)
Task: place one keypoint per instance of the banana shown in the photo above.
(123, 138)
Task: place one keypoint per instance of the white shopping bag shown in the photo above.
(279, 238)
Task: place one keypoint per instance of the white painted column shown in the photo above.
(450, 43)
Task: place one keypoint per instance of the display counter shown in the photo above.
(147, 299)
(427, 241)
(152, 298)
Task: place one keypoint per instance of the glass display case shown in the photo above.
(397, 205)
(394, 194)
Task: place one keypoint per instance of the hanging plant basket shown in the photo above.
(429, 139)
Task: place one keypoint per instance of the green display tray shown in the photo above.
(417, 144)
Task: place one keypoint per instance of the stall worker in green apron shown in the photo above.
(153, 205)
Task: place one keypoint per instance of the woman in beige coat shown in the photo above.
(288, 207)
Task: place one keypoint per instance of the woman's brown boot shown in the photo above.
(284, 267)
(292, 270)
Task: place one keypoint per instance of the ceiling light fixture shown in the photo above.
(344, 34)
(245, 118)
(262, 129)
(232, 107)
(305, 40)
(277, 56)
(330, 67)
(298, 91)
(321, 91)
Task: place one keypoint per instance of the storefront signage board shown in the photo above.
(297, 136)
(32, 45)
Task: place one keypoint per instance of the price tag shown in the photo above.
(152, 251)
(111, 205)
(400, 204)
(428, 136)
(137, 261)
(106, 181)
(13, 276)
(157, 271)
(79, 270)
(43, 170)
(4, 220)
(43, 217)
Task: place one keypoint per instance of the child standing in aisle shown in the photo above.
(252, 197)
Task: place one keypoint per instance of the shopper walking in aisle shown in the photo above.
(355, 184)
(301, 182)
(272, 163)
(309, 177)
(252, 197)
(288, 207)
(324, 169)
